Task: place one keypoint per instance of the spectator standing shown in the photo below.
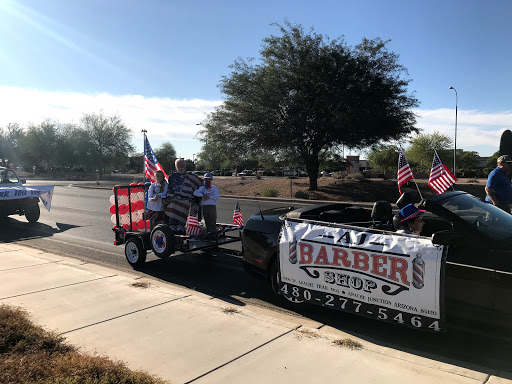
(498, 187)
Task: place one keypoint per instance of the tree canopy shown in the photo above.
(166, 155)
(384, 157)
(421, 152)
(307, 93)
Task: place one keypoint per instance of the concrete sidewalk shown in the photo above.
(184, 336)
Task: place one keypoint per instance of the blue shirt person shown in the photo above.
(498, 187)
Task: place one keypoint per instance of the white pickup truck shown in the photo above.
(15, 198)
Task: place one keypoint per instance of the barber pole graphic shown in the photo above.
(418, 272)
(293, 250)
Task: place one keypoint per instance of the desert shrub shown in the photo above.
(258, 176)
(475, 181)
(270, 192)
(356, 176)
(339, 175)
(31, 354)
(301, 195)
(132, 172)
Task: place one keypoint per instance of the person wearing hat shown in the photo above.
(498, 187)
(209, 195)
(411, 220)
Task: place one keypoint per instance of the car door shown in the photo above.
(503, 281)
(470, 275)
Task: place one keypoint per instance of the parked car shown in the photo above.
(247, 172)
(217, 172)
(475, 280)
(10, 183)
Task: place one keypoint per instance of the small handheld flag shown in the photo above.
(192, 228)
(237, 215)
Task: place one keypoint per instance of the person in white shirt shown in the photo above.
(209, 195)
(156, 193)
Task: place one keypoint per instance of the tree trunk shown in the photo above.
(312, 165)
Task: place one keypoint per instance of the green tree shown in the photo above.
(308, 93)
(39, 146)
(107, 138)
(9, 139)
(166, 155)
(384, 157)
(421, 152)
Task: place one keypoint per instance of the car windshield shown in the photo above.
(8, 176)
(489, 220)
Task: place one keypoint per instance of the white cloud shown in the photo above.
(163, 118)
(176, 120)
(476, 130)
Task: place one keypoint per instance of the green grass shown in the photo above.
(31, 354)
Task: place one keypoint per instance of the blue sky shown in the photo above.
(157, 63)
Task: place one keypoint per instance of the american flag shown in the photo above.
(192, 227)
(440, 176)
(237, 215)
(151, 164)
(404, 171)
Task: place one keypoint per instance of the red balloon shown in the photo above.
(148, 225)
(122, 209)
(139, 205)
(133, 183)
(140, 224)
(133, 206)
(113, 189)
(122, 192)
(126, 226)
(112, 209)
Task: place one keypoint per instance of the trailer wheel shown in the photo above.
(162, 241)
(135, 252)
(32, 213)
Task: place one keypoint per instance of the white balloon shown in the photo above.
(122, 199)
(134, 197)
(113, 219)
(136, 216)
(112, 199)
(140, 195)
(125, 219)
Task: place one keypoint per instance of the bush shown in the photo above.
(301, 195)
(258, 176)
(339, 175)
(270, 192)
(356, 176)
(132, 172)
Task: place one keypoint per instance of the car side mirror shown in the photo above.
(23, 181)
(448, 238)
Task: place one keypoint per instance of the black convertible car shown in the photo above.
(473, 239)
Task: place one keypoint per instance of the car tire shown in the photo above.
(162, 241)
(134, 252)
(275, 278)
(32, 213)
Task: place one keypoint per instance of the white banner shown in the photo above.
(391, 277)
(44, 192)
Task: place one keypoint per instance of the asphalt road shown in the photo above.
(79, 226)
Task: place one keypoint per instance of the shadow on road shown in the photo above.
(12, 230)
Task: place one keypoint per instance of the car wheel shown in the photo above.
(32, 213)
(135, 252)
(162, 241)
(275, 278)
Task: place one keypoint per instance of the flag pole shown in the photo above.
(145, 195)
(418, 188)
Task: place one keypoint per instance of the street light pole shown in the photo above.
(455, 141)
